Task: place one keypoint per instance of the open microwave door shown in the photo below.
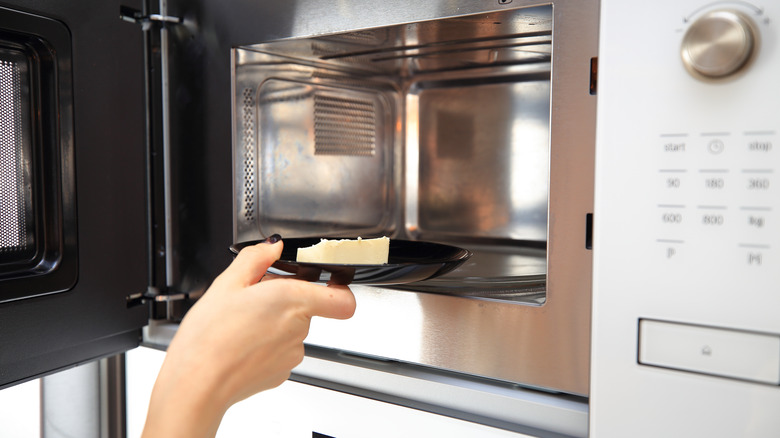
(74, 245)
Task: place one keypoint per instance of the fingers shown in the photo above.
(251, 263)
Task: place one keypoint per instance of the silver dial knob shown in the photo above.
(719, 44)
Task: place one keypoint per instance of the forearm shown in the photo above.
(184, 406)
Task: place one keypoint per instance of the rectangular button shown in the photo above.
(710, 350)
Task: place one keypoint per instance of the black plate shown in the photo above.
(408, 261)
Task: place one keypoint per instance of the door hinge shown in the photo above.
(164, 306)
(146, 21)
(157, 27)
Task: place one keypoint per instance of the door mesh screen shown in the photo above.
(15, 162)
(38, 241)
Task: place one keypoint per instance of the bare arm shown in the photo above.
(242, 337)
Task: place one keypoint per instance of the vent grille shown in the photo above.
(248, 135)
(344, 126)
(13, 208)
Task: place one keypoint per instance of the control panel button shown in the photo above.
(718, 44)
(710, 350)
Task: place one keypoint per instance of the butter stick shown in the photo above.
(347, 251)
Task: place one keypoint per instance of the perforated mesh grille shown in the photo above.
(344, 125)
(13, 196)
(248, 134)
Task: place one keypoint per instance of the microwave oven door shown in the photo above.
(74, 245)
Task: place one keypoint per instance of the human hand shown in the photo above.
(242, 337)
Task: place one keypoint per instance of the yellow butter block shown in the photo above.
(347, 251)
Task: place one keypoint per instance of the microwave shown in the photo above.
(559, 142)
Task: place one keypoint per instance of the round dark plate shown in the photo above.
(408, 261)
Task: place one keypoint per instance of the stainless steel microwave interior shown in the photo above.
(436, 130)
(474, 130)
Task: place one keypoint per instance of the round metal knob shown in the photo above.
(719, 44)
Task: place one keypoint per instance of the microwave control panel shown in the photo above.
(716, 200)
(686, 297)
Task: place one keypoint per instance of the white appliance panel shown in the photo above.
(687, 206)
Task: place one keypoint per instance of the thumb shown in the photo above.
(332, 301)
(251, 262)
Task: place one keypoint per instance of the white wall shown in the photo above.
(20, 411)
(143, 364)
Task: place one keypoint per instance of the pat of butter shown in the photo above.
(347, 251)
